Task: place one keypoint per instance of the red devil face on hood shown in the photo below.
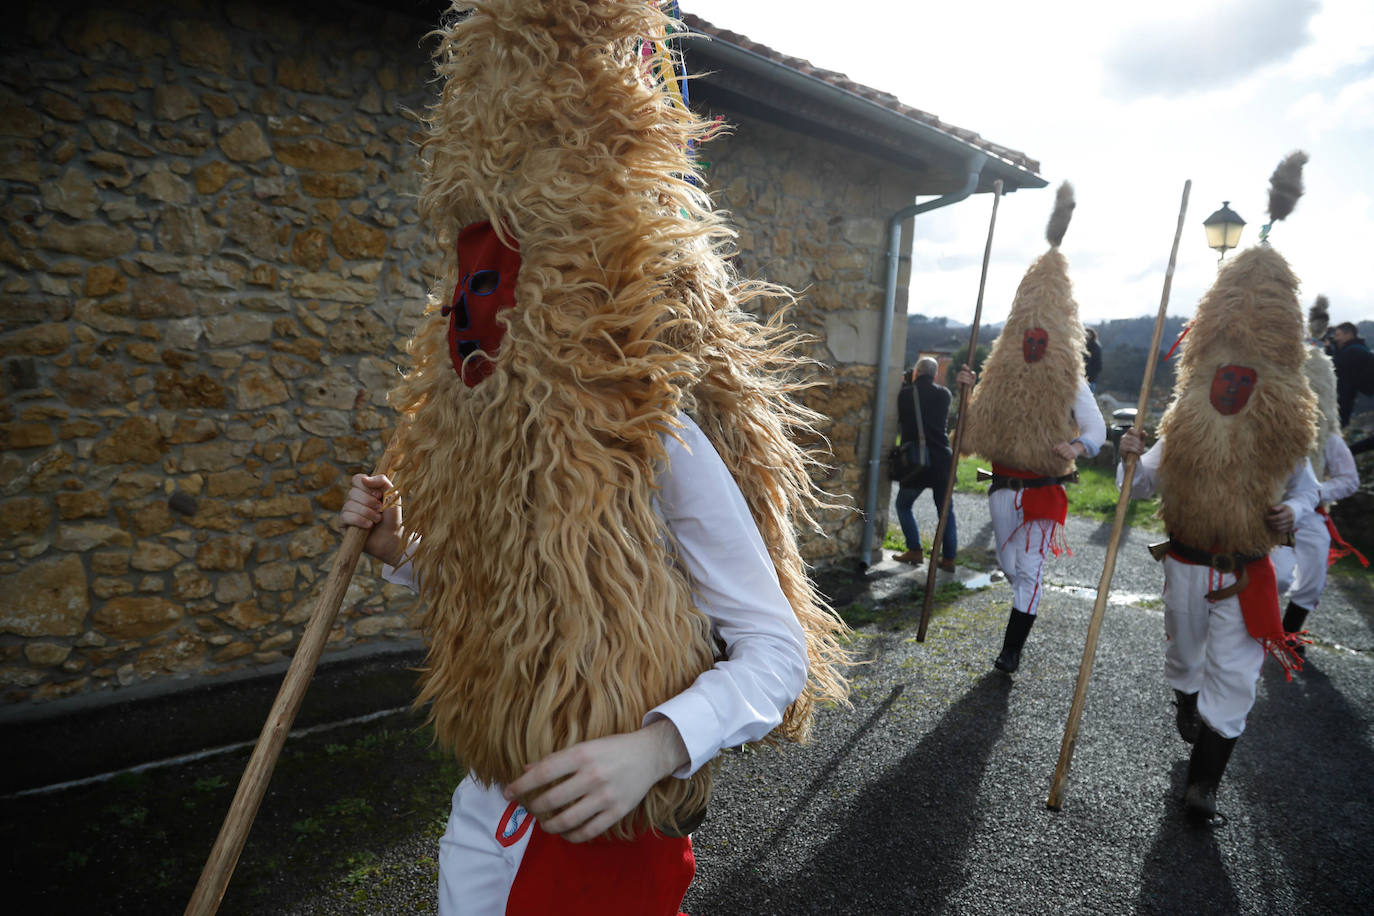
(1033, 344)
(1231, 387)
(487, 270)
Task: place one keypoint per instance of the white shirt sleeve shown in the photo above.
(1301, 492)
(403, 574)
(1146, 479)
(1092, 429)
(744, 697)
(1344, 477)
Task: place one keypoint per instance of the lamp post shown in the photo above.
(1223, 229)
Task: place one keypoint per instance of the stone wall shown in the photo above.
(813, 216)
(210, 260)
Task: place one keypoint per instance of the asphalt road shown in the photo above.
(930, 795)
(927, 796)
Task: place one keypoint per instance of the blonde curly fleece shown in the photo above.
(555, 612)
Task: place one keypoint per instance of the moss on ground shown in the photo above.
(136, 843)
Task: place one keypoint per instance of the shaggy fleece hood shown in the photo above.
(1242, 415)
(1321, 378)
(554, 610)
(1022, 405)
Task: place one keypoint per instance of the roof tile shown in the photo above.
(878, 96)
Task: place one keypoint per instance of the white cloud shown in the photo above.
(1350, 107)
(1342, 37)
(1213, 47)
(1039, 83)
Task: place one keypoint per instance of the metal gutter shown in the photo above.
(894, 244)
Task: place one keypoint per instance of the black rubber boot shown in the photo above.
(1018, 628)
(1210, 756)
(1293, 618)
(1185, 716)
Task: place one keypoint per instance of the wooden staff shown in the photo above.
(224, 855)
(959, 424)
(1080, 693)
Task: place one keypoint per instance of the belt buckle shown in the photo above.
(1224, 562)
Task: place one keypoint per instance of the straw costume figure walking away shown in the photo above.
(1032, 416)
(1232, 474)
(1316, 542)
(598, 463)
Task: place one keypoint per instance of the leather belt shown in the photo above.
(1006, 482)
(1233, 563)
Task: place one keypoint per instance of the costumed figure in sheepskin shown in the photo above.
(1232, 474)
(598, 459)
(1316, 542)
(1032, 415)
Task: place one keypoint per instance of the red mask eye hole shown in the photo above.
(484, 282)
(460, 320)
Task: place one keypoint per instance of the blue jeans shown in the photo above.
(906, 498)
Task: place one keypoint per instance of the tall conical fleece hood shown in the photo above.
(1321, 378)
(1021, 406)
(561, 185)
(1242, 414)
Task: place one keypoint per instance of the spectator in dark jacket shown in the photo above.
(1092, 360)
(934, 401)
(1354, 367)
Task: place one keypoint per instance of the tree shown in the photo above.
(959, 358)
(1123, 369)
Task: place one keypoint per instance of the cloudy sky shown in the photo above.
(1126, 101)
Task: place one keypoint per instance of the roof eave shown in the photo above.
(954, 149)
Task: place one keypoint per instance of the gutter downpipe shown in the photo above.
(894, 244)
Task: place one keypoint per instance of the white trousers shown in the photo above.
(1020, 551)
(494, 860)
(1303, 566)
(1209, 651)
(480, 852)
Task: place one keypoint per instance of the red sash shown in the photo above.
(645, 876)
(1340, 547)
(1048, 503)
(1259, 606)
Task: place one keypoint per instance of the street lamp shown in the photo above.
(1223, 229)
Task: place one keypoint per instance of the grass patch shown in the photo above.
(899, 613)
(361, 868)
(862, 613)
(349, 807)
(306, 828)
(1350, 569)
(130, 844)
(1094, 496)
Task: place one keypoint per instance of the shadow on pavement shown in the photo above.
(1183, 871)
(1102, 534)
(904, 867)
(984, 537)
(1359, 592)
(1314, 798)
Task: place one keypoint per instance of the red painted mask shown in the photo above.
(487, 270)
(1033, 344)
(1231, 388)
